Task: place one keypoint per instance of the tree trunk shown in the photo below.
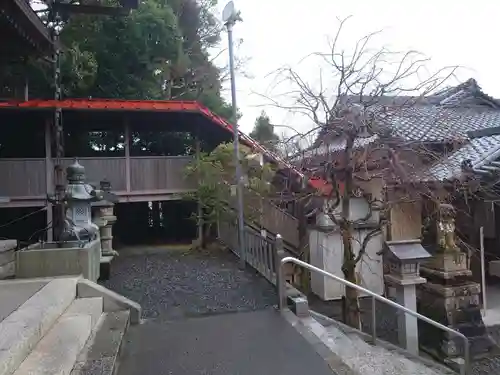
(352, 313)
(305, 276)
(207, 237)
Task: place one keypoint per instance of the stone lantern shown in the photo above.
(105, 219)
(404, 259)
(78, 249)
(78, 197)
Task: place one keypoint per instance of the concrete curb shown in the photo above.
(335, 363)
(111, 301)
(384, 344)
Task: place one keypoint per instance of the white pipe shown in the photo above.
(483, 269)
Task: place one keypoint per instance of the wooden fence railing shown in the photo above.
(272, 218)
(262, 253)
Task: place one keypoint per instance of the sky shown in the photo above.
(277, 33)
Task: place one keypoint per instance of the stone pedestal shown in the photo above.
(451, 298)
(106, 256)
(104, 219)
(54, 259)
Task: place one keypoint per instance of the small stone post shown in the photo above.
(107, 219)
(404, 263)
(279, 253)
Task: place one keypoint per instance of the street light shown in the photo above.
(230, 16)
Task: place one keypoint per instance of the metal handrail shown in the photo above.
(465, 369)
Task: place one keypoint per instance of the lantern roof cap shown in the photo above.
(75, 172)
(407, 250)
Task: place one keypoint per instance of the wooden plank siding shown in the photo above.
(159, 173)
(26, 179)
(22, 177)
(97, 169)
(25, 182)
(278, 221)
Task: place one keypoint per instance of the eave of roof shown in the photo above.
(149, 106)
(481, 152)
(20, 15)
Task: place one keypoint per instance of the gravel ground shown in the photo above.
(176, 284)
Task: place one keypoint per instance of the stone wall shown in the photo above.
(7, 258)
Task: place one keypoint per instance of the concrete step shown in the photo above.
(13, 295)
(102, 352)
(364, 358)
(57, 351)
(23, 328)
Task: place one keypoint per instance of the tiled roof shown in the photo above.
(480, 152)
(438, 124)
(444, 116)
(448, 116)
(338, 145)
(467, 93)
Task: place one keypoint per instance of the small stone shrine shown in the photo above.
(404, 259)
(450, 297)
(79, 250)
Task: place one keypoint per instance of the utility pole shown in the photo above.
(230, 17)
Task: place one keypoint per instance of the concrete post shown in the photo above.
(279, 253)
(407, 324)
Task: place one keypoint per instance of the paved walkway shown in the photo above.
(206, 316)
(246, 343)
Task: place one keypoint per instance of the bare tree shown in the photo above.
(353, 98)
